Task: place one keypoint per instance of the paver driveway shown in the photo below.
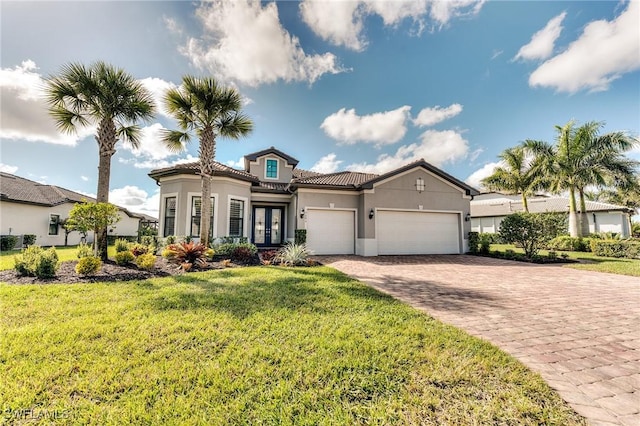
(580, 330)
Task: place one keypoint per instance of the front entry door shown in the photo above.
(267, 226)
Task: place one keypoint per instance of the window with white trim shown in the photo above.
(271, 169)
(169, 216)
(196, 214)
(236, 218)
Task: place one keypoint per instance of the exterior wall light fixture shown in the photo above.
(371, 212)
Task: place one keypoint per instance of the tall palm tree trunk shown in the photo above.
(525, 204)
(584, 217)
(207, 154)
(574, 228)
(106, 139)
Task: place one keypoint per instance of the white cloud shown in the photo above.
(236, 164)
(23, 111)
(604, 51)
(431, 116)
(147, 163)
(136, 199)
(542, 42)
(443, 11)
(476, 177)
(151, 145)
(84, 178)
(327, 164)
(5, 168)
(435, 147)
(244, 42)
(158, 87)
(380, 128)
(341, 22)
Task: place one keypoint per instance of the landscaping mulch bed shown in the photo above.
(109, 272)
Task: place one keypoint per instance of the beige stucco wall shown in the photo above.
(222, 188)
(32, 219)
(257, 168)
(400, 193)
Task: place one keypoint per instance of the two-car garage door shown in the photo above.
(415, 232)
(397, 232)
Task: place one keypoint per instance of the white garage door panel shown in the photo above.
(331, 231)
(417, 233)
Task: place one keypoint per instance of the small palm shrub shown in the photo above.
(146, 261)
(293, 255)
(37, 262)
(121, 245)
(124, 257)
(186, 254)
(88, 265)
(84, 250)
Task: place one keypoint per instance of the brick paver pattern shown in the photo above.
(579, 330)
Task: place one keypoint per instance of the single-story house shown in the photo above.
(489, 209)
(414, 209)
(28, 207)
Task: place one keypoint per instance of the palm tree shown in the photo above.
(581, 158)
(203, 107)
(103, 96)
(518, 176)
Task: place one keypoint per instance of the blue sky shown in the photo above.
(344, 85)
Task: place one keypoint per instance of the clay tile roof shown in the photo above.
(346, 179)
(15, 188)
(194, 168)
(301, 173)
(254, 155)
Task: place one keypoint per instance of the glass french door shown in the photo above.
(267, 226)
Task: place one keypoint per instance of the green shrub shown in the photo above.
(122, 245)
(84, 250)
(293, 255)
(531, 231)
(8, 242)
(209, 253)
(151, 242)
(226, 250)
(146, 261)
(124, 257)
(485, 243)
(616, 248)
(37, 262)
(244, 253)
(301, 236)
(231, 240)
(491, 237)
(171, 239)
(88, 265)
(568, 243)
(28, 239)
(473, 242)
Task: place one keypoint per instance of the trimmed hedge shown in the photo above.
(568, 243)
(474, 240)
(8, 242)
(616, 248)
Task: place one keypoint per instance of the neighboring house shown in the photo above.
(415, 209)
(488, 210)
(28, 207)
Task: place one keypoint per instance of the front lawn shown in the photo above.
(589, 261)
(258, 345)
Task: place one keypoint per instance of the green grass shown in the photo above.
(64, 254)
(259, 345)
(589, 261)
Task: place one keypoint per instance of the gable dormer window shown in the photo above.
(271, 169)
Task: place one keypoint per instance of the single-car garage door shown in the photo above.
(413, 232)
(331, 231)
